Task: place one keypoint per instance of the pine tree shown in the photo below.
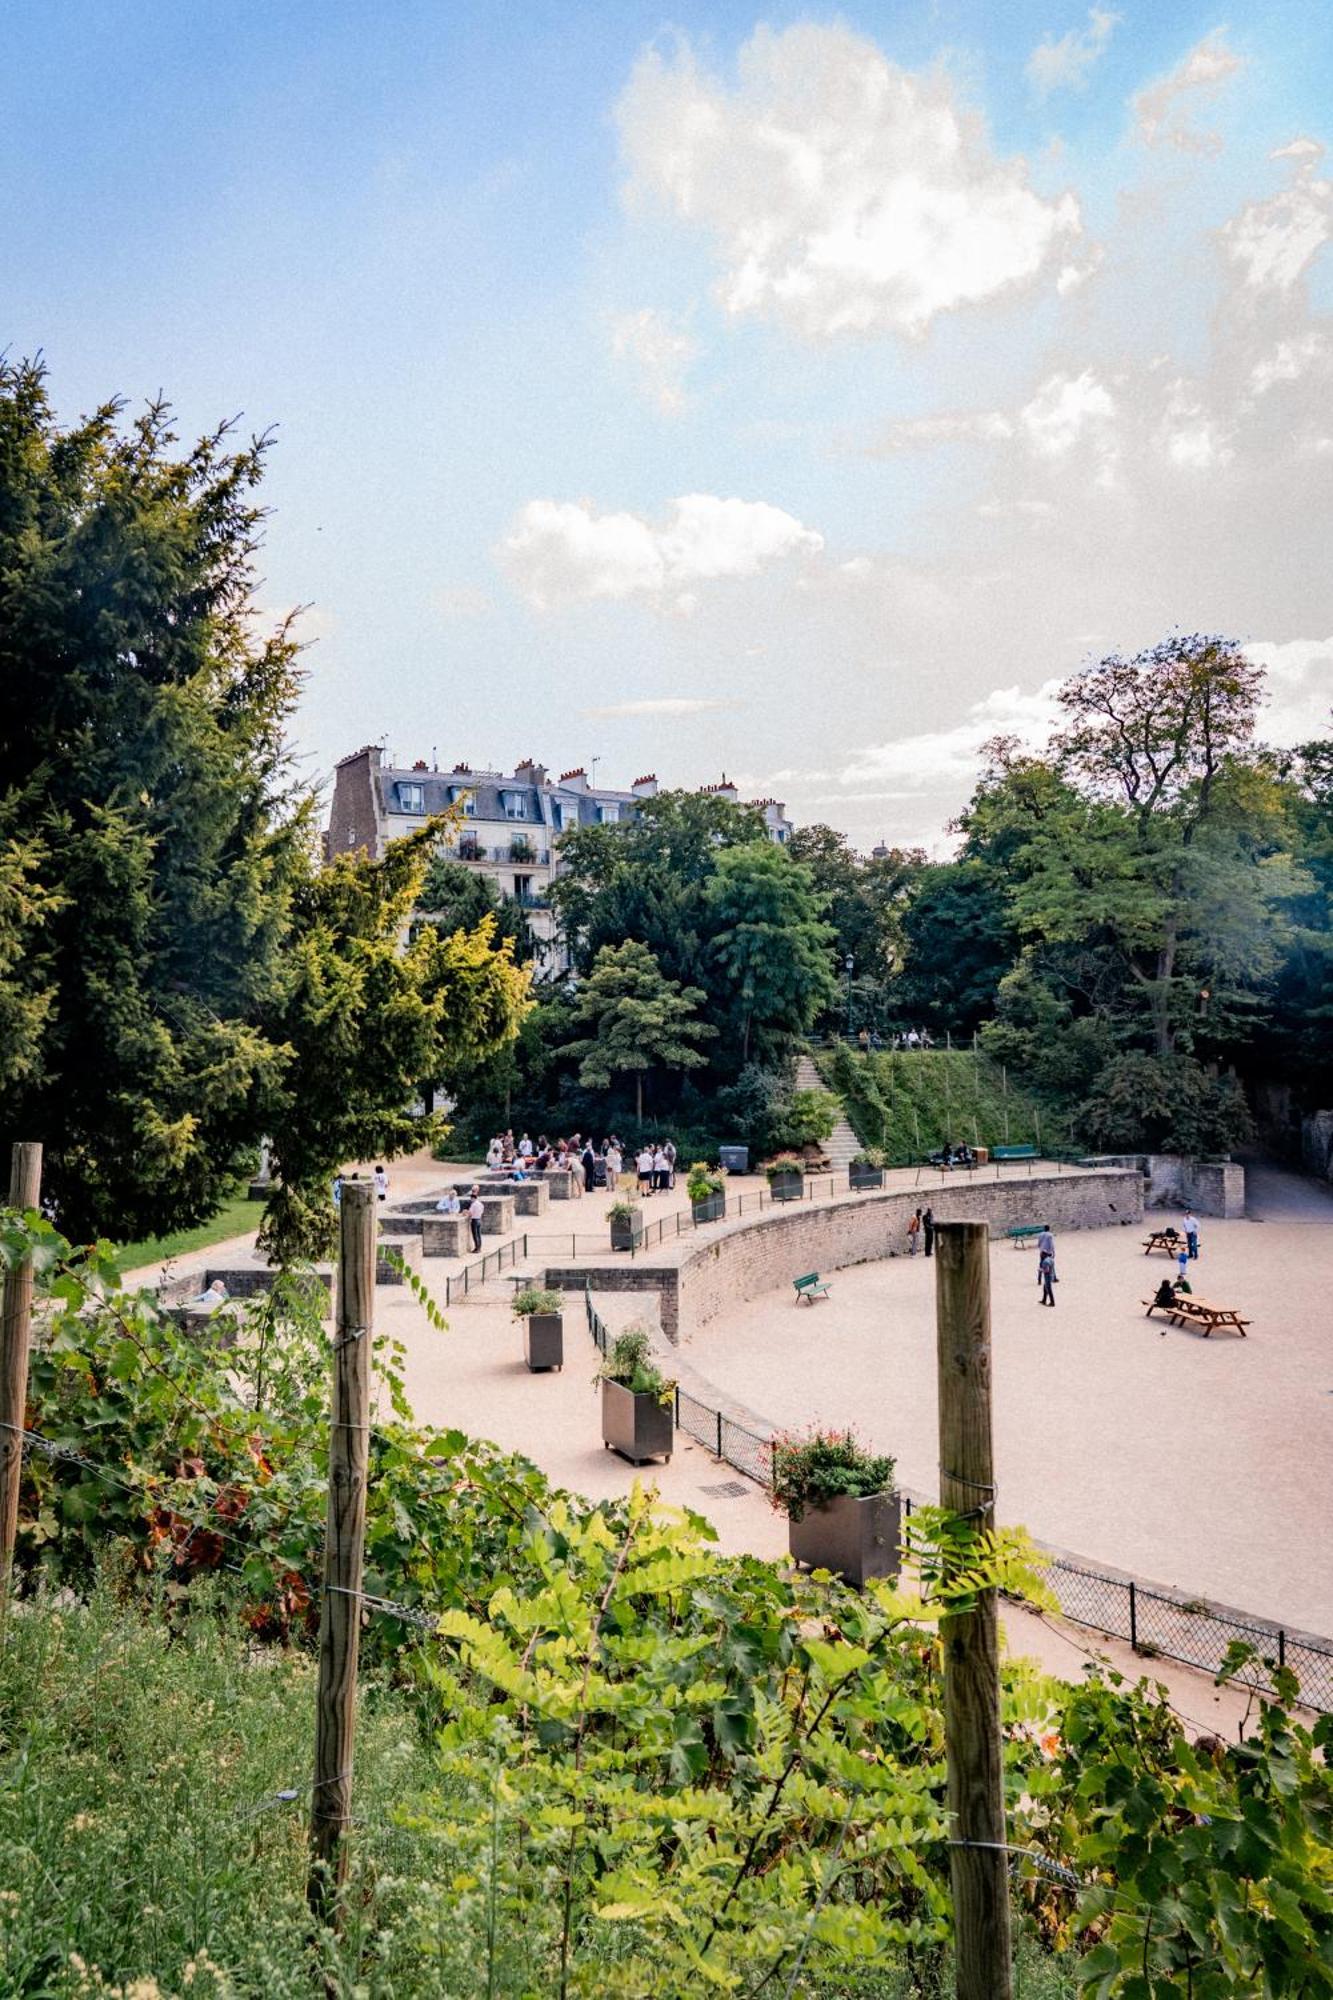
(638, 1020)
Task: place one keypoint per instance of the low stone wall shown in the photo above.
(1173, 1180)
(748, 1257)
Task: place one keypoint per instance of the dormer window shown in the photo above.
(514, 806)
(412, 798)
(460, 795)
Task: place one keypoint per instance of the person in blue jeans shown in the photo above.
(1046, 1276)
(1191, 1228)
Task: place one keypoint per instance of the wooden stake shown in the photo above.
(979, 1865)
(345, 1534)
(25, 1187)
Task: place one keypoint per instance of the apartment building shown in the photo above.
(511, 822)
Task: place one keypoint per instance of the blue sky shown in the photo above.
(797, 393)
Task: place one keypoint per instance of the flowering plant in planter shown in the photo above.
(703, 1183)
(810, 1471)
(622, 1211)
(534, 1300)
(629, 1361)
(786, 1163)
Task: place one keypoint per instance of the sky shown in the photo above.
(793, 394)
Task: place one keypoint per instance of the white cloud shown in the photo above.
(946, 427)
(1300, 688)
(1289, 360)
(1300, 148)
(1069, 410)
(660, 351)
(666, 705)
(561, 551)
(844, 195)
(1274, 241)
(1187, 434)
(1164, 110)
(948, 756)
(1064, 64)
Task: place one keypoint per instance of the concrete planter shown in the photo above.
(638, 1427)
(445, 1236)
(865, 1177)
(855, 1538)
(787, 1187)
(543, 1341)
(627, 1235)
(710, 1210)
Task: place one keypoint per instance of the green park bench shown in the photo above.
(1023, 1232)
(1013, 1152)
(810, 1288)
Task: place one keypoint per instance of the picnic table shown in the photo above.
(1189, 1310)
(1170, 1240)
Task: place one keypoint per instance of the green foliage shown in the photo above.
(369, 1021)
(635, 1019)
(456, 898)
(629, 1361)
(702, 1183)
(1172, 1106)
(785, 1163)
(906, 1103)
(810, 1117)
(1209, 1868)
(534, 1299)
(770, 944)
(150, 832)
(818, 1466)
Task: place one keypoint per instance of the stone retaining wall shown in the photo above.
(1173, 1180)
(748, 1257)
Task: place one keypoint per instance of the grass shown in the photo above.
(236, 1217)
(145, 1852)
(909, 1103)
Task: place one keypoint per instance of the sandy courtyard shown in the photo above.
(1200, 1463)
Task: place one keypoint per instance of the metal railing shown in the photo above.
(1156, 1623)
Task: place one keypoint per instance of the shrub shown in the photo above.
(534, 1300)
(630, 1362)
(623, 1210)
(810, 1470)
(808, 1118)
(786, 1163)
(703, 1183)
(1164, 1105)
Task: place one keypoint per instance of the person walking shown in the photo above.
(475, 1211)
(928, 1230)
(1046, 1275)
(381, 1184)
(1190, 1224)
(913, 1233)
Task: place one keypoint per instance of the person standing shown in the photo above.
(1046, 1273)
(928, 1230)
(337, 1190)
(670, 1150)
(913, 1233)
(1190, 1225)
(644, 1164)
(475, 1211)
(614, 1162)
(1182, 1261)
(661, 1169)
(494, 1153)
(381, 1184)
(588, 1161)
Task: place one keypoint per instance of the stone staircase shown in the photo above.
(842, 1144)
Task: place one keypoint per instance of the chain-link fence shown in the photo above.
(1158, 1624)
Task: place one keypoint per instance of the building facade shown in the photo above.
(511, 822)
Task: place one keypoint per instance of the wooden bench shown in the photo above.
(1024, 1232)
(1013, 1152)
(1191, 1311)
(810, 1288)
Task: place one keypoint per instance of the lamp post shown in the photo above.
(849, 964)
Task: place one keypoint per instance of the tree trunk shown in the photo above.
(638, 1097)
(1161, 998)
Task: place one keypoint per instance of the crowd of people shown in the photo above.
(901, 1038)
(652, 1168)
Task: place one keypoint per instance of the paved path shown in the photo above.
(1276, 1194)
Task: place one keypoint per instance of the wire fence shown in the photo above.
(1156, 1623)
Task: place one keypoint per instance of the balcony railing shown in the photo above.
(511, 855)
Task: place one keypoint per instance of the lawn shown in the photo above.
(235, 1218)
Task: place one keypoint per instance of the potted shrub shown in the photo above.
(543, 1328)
(626, 1220)
(638, 1402)
(842, 1511)
(864, 1173)
(708, 1201)
(786, 1177)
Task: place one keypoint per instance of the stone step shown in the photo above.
(842, 1144)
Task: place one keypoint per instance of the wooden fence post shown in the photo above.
(340, 1610)
(978, 1860)
(25, 1186)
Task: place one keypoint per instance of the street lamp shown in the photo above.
(849, 964)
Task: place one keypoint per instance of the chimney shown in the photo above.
(462, 771)
(646, 787)
(530, 769)
(577, 779)
(421, 765)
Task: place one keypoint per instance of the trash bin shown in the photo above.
(734, 1159)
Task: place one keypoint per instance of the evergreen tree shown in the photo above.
(636, 1019)
(148, 823)
(454, 897)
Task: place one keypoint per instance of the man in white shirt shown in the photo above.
(448, 1204)
(475, 1211)
(644, 1164)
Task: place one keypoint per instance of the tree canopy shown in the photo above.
(636, 1020)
